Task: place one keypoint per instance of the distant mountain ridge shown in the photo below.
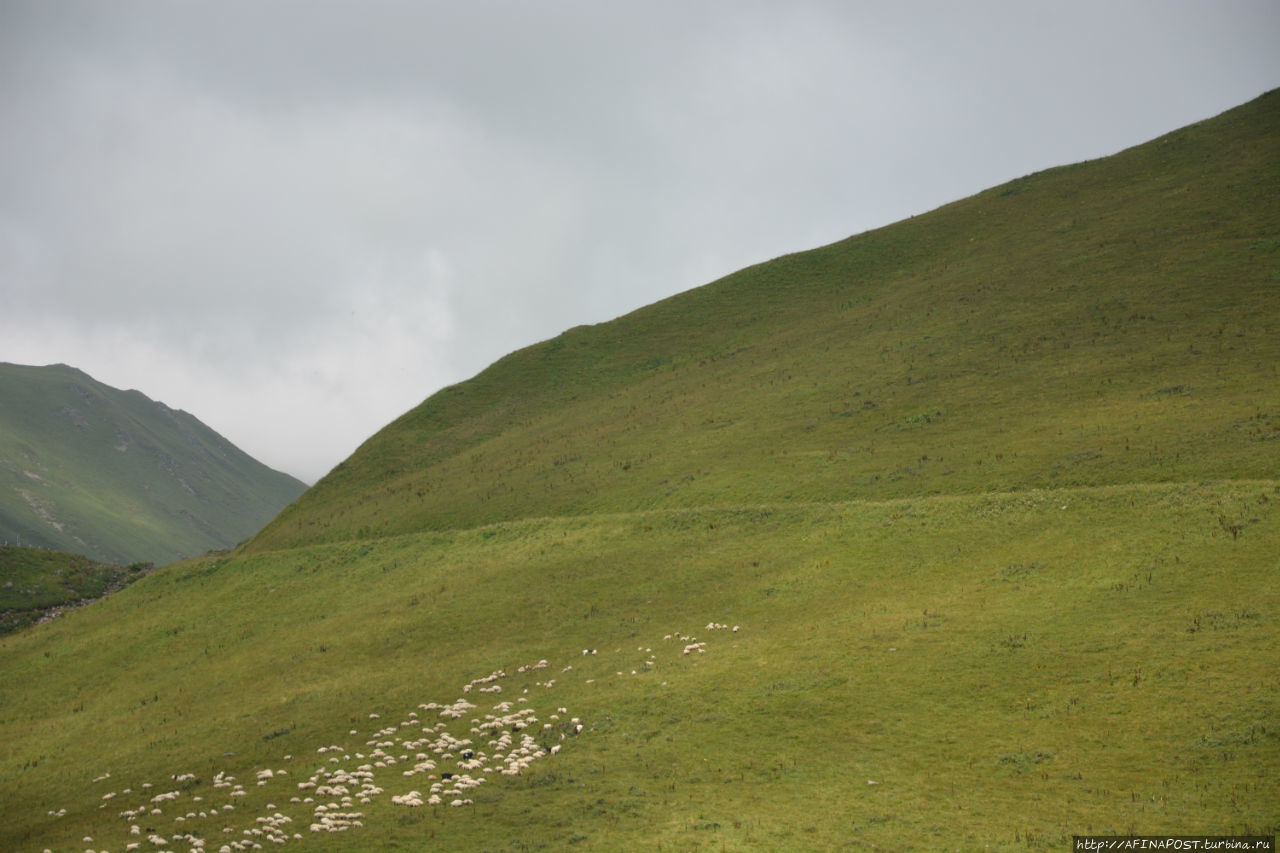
(117, 476)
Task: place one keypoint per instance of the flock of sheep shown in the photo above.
(504, 740)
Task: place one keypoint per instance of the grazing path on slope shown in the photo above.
(1047, 495)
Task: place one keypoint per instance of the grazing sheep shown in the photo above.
(510, 752)
(412, 799)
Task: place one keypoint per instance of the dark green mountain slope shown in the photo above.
(111, 474)
(36, 583)
(1115, 321)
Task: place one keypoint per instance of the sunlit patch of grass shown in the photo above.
(981, 667)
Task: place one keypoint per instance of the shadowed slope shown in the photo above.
(37, 584)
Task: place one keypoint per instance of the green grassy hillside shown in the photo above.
(36, 583)
(1008, 669)
(961, 534)
(1110, 322)
(111, 474)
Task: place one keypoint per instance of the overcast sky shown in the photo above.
(297, 219)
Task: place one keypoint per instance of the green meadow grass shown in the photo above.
(34, 582)
(990, 495)
(1009, 669)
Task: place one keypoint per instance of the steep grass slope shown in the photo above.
(111, 474)
(981, 561)
(1109, 322)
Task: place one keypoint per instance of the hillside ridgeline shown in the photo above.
(1116, 321)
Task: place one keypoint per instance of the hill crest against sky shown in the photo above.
(1105, 322)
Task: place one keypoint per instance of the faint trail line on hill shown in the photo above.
(1043, 494)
